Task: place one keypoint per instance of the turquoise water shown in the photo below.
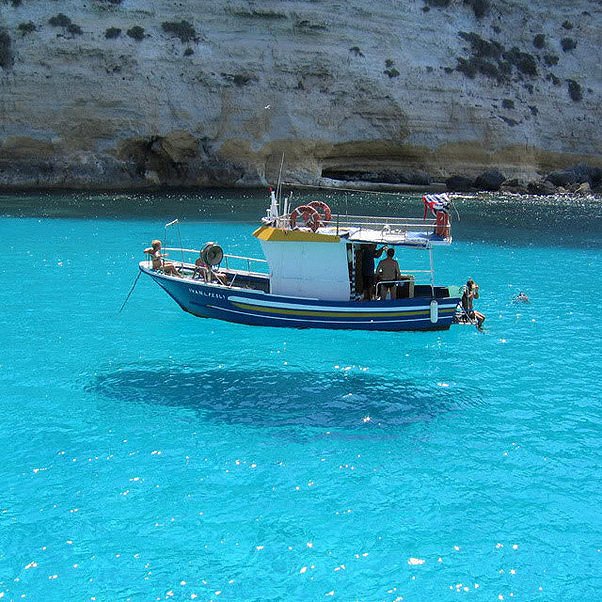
(152, 455)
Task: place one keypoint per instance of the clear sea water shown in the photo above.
(151, 455)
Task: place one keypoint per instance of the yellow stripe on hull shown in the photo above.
(332, 314)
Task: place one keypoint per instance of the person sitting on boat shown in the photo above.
(204, 271)
(369, 253)
(471, 292)
(388, 274)
(159, 263)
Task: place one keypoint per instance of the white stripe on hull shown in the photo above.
(305, 319)
(354, 309)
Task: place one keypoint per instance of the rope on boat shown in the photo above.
(131, 291)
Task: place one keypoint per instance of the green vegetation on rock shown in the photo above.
(181, 29)
(60, 20)
(112, 32)
(136, 33)
(26, 28)
(574, 90)
(6, 55)
(539, 41)
(568, 44)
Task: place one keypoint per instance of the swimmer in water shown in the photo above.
(521, 298)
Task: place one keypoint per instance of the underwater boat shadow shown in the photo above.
(317, 399)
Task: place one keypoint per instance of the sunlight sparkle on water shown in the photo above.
(212, 454)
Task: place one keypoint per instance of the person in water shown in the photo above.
(158, 259)
(369, 253)
(471, 292)
(521, 298)
(389, 274)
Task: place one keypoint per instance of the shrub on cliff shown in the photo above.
(26, 28)
(550, 59)
(74, 29)
(7, 59)
(568, 44)
(523, 61)
(482, 48)
(136, 33)
(182, 30)
(574, 90)
(475, 65)
(390, 69)
(112, 32)
(491, 59)
(65, 22)
(60, 20)
(438, 3)
(539, 41)
(479, 7)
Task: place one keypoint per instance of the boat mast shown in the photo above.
(279, 184)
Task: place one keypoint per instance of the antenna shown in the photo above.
(279, 185)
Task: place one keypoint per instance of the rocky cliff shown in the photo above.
(135, 93)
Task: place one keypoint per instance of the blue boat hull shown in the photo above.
(256, 308)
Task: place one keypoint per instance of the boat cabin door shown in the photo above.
(354, 260)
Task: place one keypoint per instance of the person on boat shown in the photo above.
(388, 274)
(369, 253)
(158, 259)
(471, 292)
(204, 271)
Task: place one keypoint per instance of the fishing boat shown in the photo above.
(311, 276)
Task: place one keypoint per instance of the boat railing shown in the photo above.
(397, 224)
(366, 222)
(248, 260)
(412, 276)
(226, 260)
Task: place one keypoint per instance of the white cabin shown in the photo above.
(306, 264)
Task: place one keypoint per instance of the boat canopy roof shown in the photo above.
(411, 232)
(323, 226)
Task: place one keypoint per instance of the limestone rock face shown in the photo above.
(136, 93)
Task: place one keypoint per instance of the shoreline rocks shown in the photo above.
(490, 180)
(577, 179)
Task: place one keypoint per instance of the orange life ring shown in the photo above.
(325, 208)
(310, 215)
